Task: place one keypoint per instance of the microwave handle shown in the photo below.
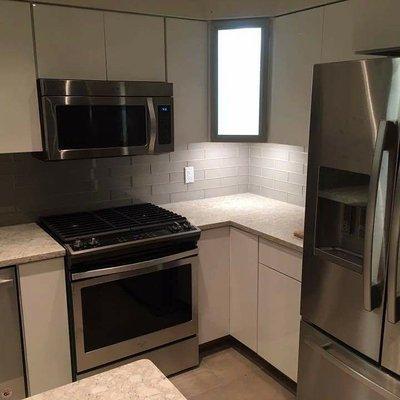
(153, 125)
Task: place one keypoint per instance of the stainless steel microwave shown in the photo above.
(91, 119)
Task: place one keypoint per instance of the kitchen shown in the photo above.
(154, 160)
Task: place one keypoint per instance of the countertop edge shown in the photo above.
(34, 258)
(234, 224)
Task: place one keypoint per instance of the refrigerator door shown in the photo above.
(328, 371)
(12, 381)
(391, 342)
(352, 162)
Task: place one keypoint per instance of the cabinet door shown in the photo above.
(243, 287)
(213, 287)
(45, 323)
(135, 47)
(338, 32)
(279, 320)
(69, 42)
(187, 69)
(297, 40)
(376, 25)
(19, 115)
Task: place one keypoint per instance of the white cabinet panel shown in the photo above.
(338, 32)
(243, 287)
(376, 25)
(19, 117)
(45, 324)
(279, 320)
(286, 261)
(135, 47)
(297, 41)
(213, 284)
(187, 69)
(69, 42)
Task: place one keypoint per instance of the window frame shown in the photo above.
(264, 24)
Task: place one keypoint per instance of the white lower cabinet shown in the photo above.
(213, 284)
(279, 320)
(45, 324)
(243, 287)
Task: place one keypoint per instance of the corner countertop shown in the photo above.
(271, 219)
(140, 380)
(20, 244)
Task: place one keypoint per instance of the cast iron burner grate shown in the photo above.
(71, 226)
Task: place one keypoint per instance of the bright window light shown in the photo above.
(239, 74)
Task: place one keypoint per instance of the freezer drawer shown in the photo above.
(329, 371)
(12, 381)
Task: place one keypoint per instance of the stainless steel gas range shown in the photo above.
(132, 287)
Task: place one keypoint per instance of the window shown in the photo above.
(238, 78)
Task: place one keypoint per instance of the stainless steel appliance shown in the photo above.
(350, 332)
(12, 375)
(132, 279)
(89, 119)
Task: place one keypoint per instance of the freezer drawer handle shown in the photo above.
(373, 291)
(325, 350)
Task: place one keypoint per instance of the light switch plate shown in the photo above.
(189, 174)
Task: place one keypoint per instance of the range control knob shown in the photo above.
(77, 244)
(93, 242)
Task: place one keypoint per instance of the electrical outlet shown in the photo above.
(189, 174)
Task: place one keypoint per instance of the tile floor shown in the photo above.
(227, 374)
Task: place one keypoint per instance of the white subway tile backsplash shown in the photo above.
(221, 191)
(165, 167)
(288, 166)
(220, 172)
(31, 188)
(288, 187)
(187, 155)
(169, 188)
(205, 184)
(273, 194)
(186, 196)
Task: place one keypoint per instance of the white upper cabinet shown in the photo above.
(187, 69)
(337, 36)
(69, 42)
(19, 118)
(135, 47)
(376, 25)
(297, 42)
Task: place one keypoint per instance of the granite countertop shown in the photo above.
(24, 243)
(140, 380)
(271, 219)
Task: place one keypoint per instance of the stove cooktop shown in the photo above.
(85, 231)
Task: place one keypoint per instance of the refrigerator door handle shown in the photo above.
(333, 354)
(394, 238)
(373, 292)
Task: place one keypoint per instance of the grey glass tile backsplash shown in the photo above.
(30, 187)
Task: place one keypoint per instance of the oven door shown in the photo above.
(133, 308)
(89, 127)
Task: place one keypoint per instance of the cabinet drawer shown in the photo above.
(281, 259)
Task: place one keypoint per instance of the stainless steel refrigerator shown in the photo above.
(350, 302)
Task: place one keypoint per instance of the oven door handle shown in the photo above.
(132, 267)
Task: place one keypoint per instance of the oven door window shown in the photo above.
(125, 309)
(101, 126)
